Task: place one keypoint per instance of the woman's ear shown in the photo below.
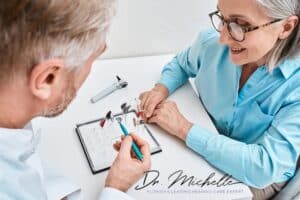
(288, 26)
(43, 77)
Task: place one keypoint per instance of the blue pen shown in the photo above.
(134, 146)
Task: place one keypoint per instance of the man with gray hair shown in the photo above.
(46, 52)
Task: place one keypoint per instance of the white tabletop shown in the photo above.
(61, 149)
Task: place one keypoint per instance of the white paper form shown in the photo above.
(97, 142)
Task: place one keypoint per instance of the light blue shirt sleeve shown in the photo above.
(109, 193)
(185, 65)
(259, 164)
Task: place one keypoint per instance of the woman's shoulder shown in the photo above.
(290, 71)
(207, 45)
(208, 36)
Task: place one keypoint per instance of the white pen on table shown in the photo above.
(110, 89)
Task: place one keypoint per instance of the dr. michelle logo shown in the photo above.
(180, 179)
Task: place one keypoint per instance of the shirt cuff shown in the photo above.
(168, 84)
(109, 193)
(197, 139)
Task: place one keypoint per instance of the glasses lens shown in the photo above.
(236, 31)
(217, 22)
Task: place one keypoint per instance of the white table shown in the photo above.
(61, 148)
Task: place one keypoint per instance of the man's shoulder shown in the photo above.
(18, 180)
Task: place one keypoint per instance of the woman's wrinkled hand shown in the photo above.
(167, 116)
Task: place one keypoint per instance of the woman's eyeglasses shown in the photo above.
(236, 31)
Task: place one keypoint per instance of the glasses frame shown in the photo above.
(245, 29)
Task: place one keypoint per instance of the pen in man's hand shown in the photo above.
(134, 146)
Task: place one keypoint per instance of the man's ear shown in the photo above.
(44, 76)
(288, 26)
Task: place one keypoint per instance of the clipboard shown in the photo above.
(97, 142)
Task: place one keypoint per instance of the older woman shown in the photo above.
(247, 74)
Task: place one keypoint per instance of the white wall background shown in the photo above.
(151, 27)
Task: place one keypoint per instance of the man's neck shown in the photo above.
(14, 110)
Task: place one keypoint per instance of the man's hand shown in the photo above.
(127, 169)
(150, 99)
(167, 116)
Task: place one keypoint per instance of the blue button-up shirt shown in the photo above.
(259, 125)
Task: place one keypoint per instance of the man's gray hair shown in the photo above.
(35, 30)
(289, 47)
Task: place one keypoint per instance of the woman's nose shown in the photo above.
(225, 37)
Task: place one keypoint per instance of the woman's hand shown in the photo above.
(150, 99)
(167, 116)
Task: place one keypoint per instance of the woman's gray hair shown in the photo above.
(289, 47)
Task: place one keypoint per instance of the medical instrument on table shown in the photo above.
(110, 89)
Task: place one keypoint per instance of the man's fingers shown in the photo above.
(138, 140)
(126, 146)
(133, 154)
(142, 144)
(117, 145)
(145, 149)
